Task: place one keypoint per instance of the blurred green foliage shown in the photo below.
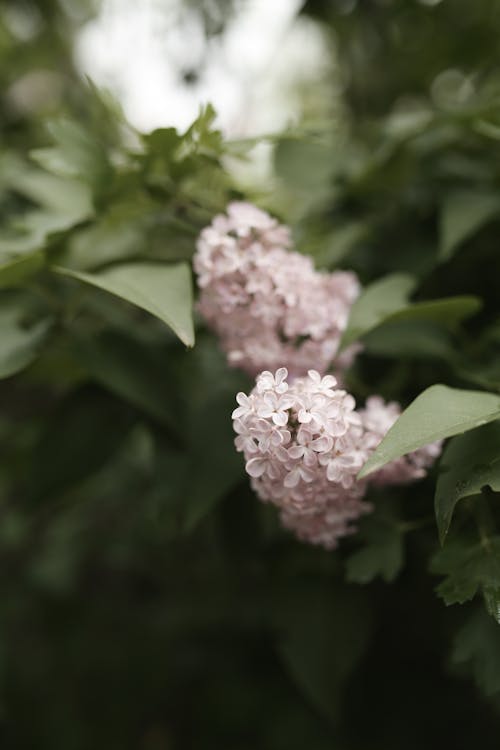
(148, 600)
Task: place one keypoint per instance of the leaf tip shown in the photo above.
(369, 468)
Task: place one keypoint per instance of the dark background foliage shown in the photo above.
(148, 601)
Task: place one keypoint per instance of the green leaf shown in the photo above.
(382, 553)
(447, 312)
(162, 142)
(164, 290)
(33, 231)
(437, 413)
(491, 596)
(116, 236)
(477, 646)
(385, 302)
(64, 203)
(76, 154)
(202, 136)
(411, 339)
(304, 165)
(462, 214)
(20, 341)
(376, 303)
(469, 570)
(469, 463)
(421, 330)
(338, 243)
(57, 195)
(16, 269)
(39, 224)
(484, 374)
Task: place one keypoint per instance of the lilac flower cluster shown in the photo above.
(303, 440)
(304, 444)
(267, 303)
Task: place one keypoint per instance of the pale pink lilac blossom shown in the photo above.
(304, 444)
(301, 442)
(267, 303)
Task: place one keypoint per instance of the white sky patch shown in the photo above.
(139, 49)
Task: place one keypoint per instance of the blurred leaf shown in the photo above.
(130, 369)
(323, 633)
(469, 463)
(462, 214)
(339, 243)
(488, 129)
(410, 338)
(118, 235)
(56, 367)
(20, 337)
(164, 290)
(29, 231)
(386, 302)
(469, 569)
(484, 369)
(377, 302)
(54, 566)
(16, 269)
(419, 329)
(162, 141)
(214, 465)
(15, 245)
(205, 390)
(437, 413)
(83, 433)
(382, 550)
(76, 154)
(477, 646)
(57, 195)
(39, 224)
(447, 312)
(163, 146)
(486, 375)
(165, 502)
(202, 137)
(304, 165)
(408, 123)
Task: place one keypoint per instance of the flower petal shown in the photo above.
(256, 467)
(292, 478)
(281, 375)
(280, 418)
